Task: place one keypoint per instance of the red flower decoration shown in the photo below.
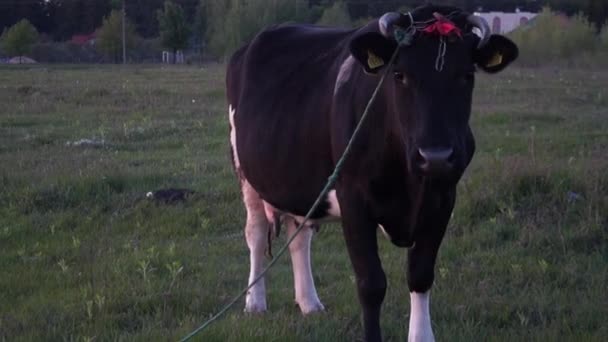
(443, 27)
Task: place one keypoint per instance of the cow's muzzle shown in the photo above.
(435, 162)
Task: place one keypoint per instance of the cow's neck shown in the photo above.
(401, 198)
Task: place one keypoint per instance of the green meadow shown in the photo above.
(84, 256)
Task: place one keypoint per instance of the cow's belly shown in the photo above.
(287, 167)
(329, 214)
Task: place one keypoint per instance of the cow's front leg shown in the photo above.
(360, 235)
(256, 234)
(421, 264)
(304, 285)
(421, 269)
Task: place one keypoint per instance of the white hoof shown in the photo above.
(421, 336)
(309, 307)
(254, 305)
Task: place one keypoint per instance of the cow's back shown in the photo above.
(281, 86)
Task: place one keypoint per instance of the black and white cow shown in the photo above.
(295, 94)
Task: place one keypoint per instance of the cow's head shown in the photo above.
(429, 88)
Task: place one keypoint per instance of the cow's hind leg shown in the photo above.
(304, 285)
(256, 234)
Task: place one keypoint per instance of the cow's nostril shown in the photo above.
(435, 160)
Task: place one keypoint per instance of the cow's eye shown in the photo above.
(401, 78)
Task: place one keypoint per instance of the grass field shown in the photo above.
(84, 258)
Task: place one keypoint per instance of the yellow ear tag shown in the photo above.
(496, 60)
(374, 61)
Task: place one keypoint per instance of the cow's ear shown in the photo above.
(372, 50)
(496, 55)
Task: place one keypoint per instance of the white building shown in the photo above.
(503, 22)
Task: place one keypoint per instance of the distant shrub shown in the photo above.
(552, 37)
(145, 50)
(65, 52)
(140, 51)
(604, 38)
(362, 21)
(336, 15)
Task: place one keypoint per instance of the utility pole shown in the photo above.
(124, 43)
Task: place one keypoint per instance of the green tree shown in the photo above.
(336, 15)
(18, 40)
(109, 36)
(597, 10)
(232, 23)
(201, 24)
(174, 31)
(216, 11)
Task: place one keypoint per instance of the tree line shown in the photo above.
(61, 19)
(218, 27)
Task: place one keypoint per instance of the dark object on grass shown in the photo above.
(573, 197)
(170, 196)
